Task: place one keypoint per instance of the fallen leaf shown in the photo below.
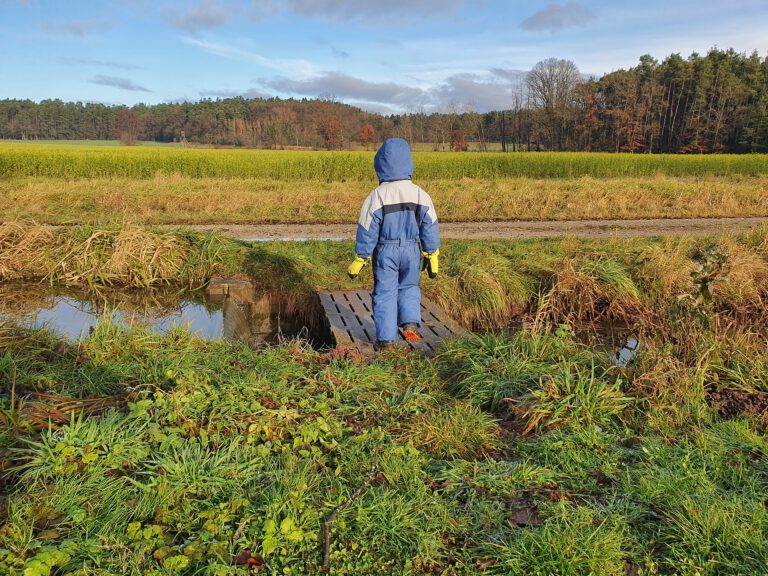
(242, 557)
(527, 517)
(254, 561)
(485, 563)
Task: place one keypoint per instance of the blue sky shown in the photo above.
(381, 55)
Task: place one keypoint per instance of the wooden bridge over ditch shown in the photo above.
(350, 319)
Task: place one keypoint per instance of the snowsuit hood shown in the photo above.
(393, 161)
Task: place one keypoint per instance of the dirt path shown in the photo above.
(503, 230)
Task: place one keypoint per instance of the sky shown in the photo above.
(388, 56)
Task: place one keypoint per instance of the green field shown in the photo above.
(60, 161)
(65, 183)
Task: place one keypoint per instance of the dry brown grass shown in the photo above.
(757, 239)
(130, 256)
(584, 289)
(16, 300)
(667, 268)
(482, 289)
(671, 392)
(40, 411)
(744, 289)
(177, 199)
(24, 245)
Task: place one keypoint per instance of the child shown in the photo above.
(395, 218)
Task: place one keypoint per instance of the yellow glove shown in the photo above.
(356, 266)
(429, 262)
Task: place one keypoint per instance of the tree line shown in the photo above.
(701, 104)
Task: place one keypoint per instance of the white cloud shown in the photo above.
(115, 82)
(249, 93)
(102, 63)
(492, 90)
(374, 10)
(555, 17)
(76, 27)
(340, 85)
(209, 14)
(205, 15)
(299, 68)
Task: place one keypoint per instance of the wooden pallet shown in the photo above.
(350, 318)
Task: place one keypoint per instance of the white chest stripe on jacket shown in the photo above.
(389, 193)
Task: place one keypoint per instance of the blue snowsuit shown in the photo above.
(395, 217)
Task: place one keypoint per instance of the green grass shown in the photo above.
(223, 450)
(79, 161)
(508, 453)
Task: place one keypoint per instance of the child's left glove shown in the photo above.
(429, 262)
(356, 266)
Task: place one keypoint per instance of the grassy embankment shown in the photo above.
(485, 285)
(58, 184)
(529, 454)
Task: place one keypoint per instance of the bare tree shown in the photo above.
(130, 126)
(552, 90)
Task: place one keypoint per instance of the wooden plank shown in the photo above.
(435, 328)
(338, 324)
(326, 301)
(442, 317)
(365, 317)
(354, 326)
(341, 336)
(357, 327)
(349, 315)
(365, 297)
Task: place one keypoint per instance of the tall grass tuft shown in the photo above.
(576, 540)
(128, 256)
(489, 287)
(491, 369)
(666, 270)
(459, 430)
(25, 246)
(743, 289)
(573, 398)
(588, 289)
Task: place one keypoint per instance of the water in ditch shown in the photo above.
(221, 312)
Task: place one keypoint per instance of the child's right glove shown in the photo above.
(429, 262)
(356, 266)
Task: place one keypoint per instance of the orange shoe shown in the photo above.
(411, 332)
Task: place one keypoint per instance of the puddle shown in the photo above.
(211, 315)
(627, 352)
(620, 341)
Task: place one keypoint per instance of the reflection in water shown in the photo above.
(73, 319)
(627, 352)
(72, 315)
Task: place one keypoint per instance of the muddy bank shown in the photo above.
(515, 230)
(735, 403)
